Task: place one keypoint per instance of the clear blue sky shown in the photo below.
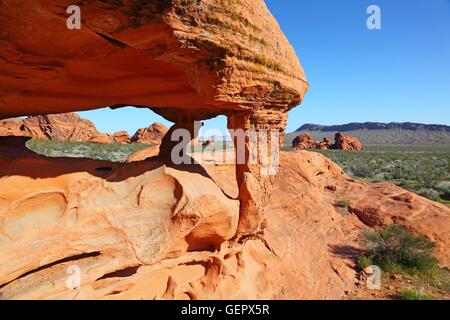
(400, 73)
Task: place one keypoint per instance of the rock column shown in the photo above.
(257, 138)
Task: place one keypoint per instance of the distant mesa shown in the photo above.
(341, 142)
(71, 127)
(376, 133)
(374, 126)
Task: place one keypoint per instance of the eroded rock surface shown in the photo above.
(186, 60)
(342, 142)
(348, 143)
(150, 135)
(201, 58)
(54, 127)
(304, 141)
(121, 137)
(148, 231)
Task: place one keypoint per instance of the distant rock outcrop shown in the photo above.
(374, 133)
(304, 141)
(121, 137)
(10, 127)
(325, 144)
(71, 127)
(54, 127)
(374, 126)
(347, 143)
(342, 142)
(151, 135)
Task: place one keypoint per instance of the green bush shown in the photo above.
(429, 194)
(363, 170)
(343, 203)
(364, 262)
(114, 152)
(413, 295)
(429, 173)
(396, 249)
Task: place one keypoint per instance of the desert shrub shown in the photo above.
(445, 195)
(109, 151)
(397, 249)
(364, 262)
(343, 203)
(413, 295)
(444, 190)
(362, 170)
(429, 173)
(429, 194)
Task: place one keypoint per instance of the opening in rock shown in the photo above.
(214, 144)
(102, 134)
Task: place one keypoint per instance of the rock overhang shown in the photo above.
(197, 58)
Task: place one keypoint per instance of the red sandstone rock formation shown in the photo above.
(151, 135)
(121, 137)
(55, 127)
(168, 229)
(348, 143)
(185, 60)
(304, 141)
(144, 154)
(325, 144)
(10, 127)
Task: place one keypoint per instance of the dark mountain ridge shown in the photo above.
(374, 126)
(377, 133)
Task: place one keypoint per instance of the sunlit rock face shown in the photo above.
(171, 232)
(203, 58)
(186, 60)
(145, 230)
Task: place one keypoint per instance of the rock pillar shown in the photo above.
(173, 147)
(257, 137)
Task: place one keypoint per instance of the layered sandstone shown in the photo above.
(342, 142)
(54, 127)
(186, 60)
(349, 143)
(150, 135)
(179, 58)
(146, 230)
(304, 141)
(121, 137)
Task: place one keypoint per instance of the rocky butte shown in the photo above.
(152, 230)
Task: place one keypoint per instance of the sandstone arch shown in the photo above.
(195, 59)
